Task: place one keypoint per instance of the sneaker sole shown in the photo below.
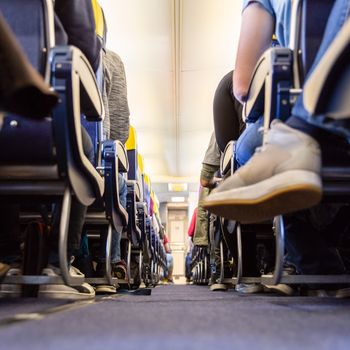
(281, 289)
(65, 295)
(281, 194)
(105, 289)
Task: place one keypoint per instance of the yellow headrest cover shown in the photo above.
(99, 19)
(155, 204)
(148, 181)
(140, 163)
(131, 142)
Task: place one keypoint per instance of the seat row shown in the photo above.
(46, 172)
(258, 250)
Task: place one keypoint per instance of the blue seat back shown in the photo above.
(27, 21)
(132, 157)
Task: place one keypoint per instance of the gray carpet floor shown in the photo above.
(180, 317)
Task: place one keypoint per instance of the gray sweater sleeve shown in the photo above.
(117, 98)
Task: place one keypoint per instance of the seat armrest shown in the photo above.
(90, 97)
(123, 162)
(326, 89)
(67, 124)
(254, 105)
(269, 90)
(227, 158)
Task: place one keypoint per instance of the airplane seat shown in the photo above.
(278, 79)
(324, 93)
(227, 159)
(43, 161)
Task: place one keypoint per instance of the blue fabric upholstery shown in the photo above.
(92, 129)
(26, 142)
(132, 157)
(29, 32)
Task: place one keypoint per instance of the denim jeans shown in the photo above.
(116, 236)
(170, 265)
(338, 16)
(249, 140)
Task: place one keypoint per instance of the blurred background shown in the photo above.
(175, 53)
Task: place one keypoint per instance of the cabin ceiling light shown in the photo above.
(177, 187)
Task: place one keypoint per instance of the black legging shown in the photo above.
(227, 113)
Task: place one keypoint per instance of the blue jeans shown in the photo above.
(170, 265)
(116, 236)
(249, 140)
(338, 16)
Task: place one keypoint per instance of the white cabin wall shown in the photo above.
(173, 122)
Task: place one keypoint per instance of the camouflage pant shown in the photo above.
(202, 222)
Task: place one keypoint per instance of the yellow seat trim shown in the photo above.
(140, 163)
(99, 18)
(131, 142)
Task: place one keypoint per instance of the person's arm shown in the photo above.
(256, 33)
(117, 98)
(207, 178)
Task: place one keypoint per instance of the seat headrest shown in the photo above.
(131, 143)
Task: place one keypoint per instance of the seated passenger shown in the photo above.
(116, 126)
(190, 233)
(284, 175)
(170, 261)
(227, 112)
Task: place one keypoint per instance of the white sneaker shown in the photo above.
(82, 292)
(11, 290)
(283, 176)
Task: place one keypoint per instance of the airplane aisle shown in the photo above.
(177, 317)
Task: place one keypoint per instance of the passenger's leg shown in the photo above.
(118, 265)
(170, 267)
(250, 139)
(227, 113)
(10, 252)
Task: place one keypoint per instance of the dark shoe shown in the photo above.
(84, 264)
(104, 288)
(120, 270)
